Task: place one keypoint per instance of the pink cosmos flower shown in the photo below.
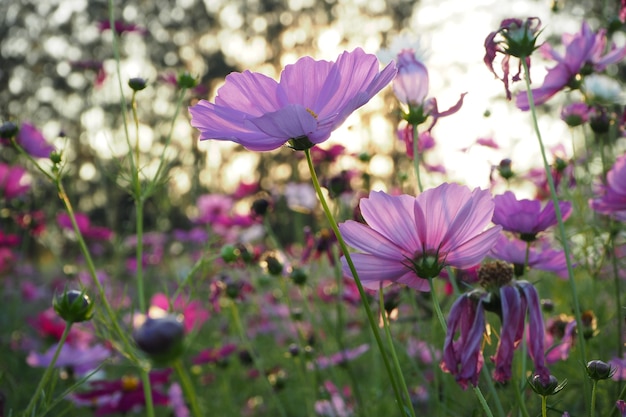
(193, 312)
(33, 141)
(526, 217)
(311, 100)
(582, 49)
(13, 181)
(84, 225)
(576, 114)
(612, 198)
(408, 240)
(543, 258)
(122, 395)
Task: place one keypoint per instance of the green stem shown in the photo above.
(557, 210)
(416, 158)
(383, 314)
(544, 406)
(437, 307)
(364, 300)
(187, 387)
(255, 358)
(592, 410)
(147, 391)
(46, 375)
(482, 401)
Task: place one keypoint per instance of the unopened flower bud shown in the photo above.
(137, 83)
(55, 157)
(545, 387)
(229, 253)
(598, 370)
(161, 338)
(273, 265)
(298, 276)
(504, 169)
(260, 206)
(8, 130)
(186, 80)
(73, 306)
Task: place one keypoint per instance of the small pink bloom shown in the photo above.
(541, 257)
(612, 199)
(33, 141)
(84, 225)
(193, 312)
(526, 217)
(13, 181)
(408, 240)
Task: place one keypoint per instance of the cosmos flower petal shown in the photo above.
(250, 93)
(291, 121)
(373, 269)
(392, 217)
(472, 251)
(369, 240)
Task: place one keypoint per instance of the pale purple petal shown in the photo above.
(368, 240)
(373, 270)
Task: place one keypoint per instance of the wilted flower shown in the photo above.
(311, 100)
(408, 240)
(585, 52)
(518, 39)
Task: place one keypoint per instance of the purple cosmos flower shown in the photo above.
(543, 258)
(560, 337)
(526, 217)
(33, 141)
(81, 359)
(576, 114)
(13, 181)
(583, 49)
(408, 240)
(177, 401)
(613, 194)
(518, 40)
(311, 100)
(342, 357)
(122, 395)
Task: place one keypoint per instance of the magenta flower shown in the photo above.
(194, 315)
(121, 27)
(88, 230)
(13, 181)
(583, 49)
(543, 258)
(526, 217)
(33, 141)
(122, 395)
(408, 240)
(612, 200)
(311, 100)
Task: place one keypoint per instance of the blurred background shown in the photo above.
(58, 71)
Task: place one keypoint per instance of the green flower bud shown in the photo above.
(550, 387)
(8, 130)
(137, 83)
(274, 266)
(73, 306)
(598, 370)
(186, 80)
(298, 276)
(162, 338)
(229, 253)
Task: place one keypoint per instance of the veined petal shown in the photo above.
(249, 92)
(471, 219)
(373, 270)
(392, 217)
(303, 82)
(511, 333)
(289, 122)
(473, 251)
(370, 241)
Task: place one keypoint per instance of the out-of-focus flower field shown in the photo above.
(338, 208)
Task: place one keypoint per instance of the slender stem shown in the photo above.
(187, 387)
(557, 210)
(618, 294)
(544, 406)
(46, 375)
(433, 295)
(492, 390)
(364, 300)
(416, 158)
(592, 409)
(255, 359)
(383, 314)
(482, 401)
(147, 391)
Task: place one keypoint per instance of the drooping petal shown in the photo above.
(512, 331)
(535, 334)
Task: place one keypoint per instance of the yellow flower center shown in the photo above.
(130, 383)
